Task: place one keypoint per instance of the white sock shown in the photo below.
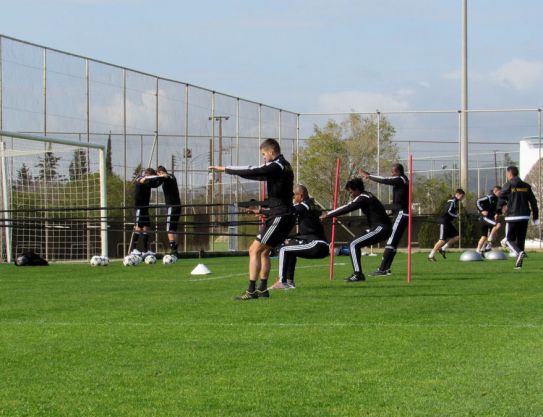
(445, 246)
(432, 254)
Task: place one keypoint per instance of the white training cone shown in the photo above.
(200, 269)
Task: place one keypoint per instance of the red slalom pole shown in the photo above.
(332, 241)
(410, 219)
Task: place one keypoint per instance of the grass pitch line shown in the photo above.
(278, 325)
(245, 273)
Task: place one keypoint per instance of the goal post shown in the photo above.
(53, 197)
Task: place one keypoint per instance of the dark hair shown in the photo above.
(460, 191)
(305, 193)
(513, 170)
(496, 187)
(161, 168)
(149, 171)
(271, 144)
(355, 184)
(399, 168)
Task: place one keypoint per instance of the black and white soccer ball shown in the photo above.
(150, 259)
(130, 260)
(169, 259)
(96, 261)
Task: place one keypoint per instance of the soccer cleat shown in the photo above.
(290, 284)
(432, 259)
(488, 247)
(442, 253)
(378, 273)
(247, 296)
(263, 293)
(355, 278)
(520, 258)
(389, 271)
(503, 242)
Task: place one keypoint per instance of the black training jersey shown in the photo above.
(400, 191)
(449, 211)
(279, 179)
(370, 205)
(307, 216)
(142, 191)
(520, 200)
(171, 190)
(488, 203)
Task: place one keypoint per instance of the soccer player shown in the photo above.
(400, 210)
(310, 242)
(142, 197)
(379, 223)
(516, 201)
(279, 177)
(448, 235)
(487, 206)
(173, 202)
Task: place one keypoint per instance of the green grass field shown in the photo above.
(463, 339)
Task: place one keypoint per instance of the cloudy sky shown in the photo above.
(307, 56)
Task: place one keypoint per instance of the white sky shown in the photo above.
(307, 56)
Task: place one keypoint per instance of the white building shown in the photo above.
(530, 153)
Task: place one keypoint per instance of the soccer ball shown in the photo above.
(105, 260)
(137, 259)
(129, 261)
(96, 261)
(169, 259)
(150, 259)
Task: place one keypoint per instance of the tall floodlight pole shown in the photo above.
(464, 172)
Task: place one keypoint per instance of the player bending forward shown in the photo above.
(379, 223)
(448, 235)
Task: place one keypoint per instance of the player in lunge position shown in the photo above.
(448, 235)
(310, 242)
(400, 210)
(277, 172)
(379, 223)
(487, 206)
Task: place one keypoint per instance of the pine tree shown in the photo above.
(48, 167)
(24, 176)
(79, 165)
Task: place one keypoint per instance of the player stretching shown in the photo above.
(310, 242)
(516, 201)
(277, 172)
(400, 209)
(487, 206)
(142, 197)
(448, 235)
(173, 202)
(379, 223)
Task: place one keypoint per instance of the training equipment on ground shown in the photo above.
(96, 261)
(105, 260)
(495, 255)
(471, 255)
(150, 260)
(169, 259)
(137, 259)
(130, 260)
(200, 269)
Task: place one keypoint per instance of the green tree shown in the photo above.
(354, 142)
(24, 176)
(109, 163)
(79, 165)
(48, 166)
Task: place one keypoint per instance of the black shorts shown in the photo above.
(486, 225)
(141, 217)
(447, 231)
(275, 230)
(172, 218)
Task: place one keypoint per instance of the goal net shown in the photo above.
(53, 197)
